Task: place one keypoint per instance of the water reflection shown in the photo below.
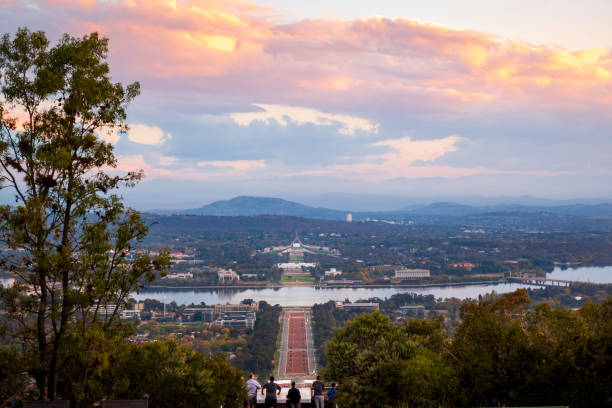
(307, 295)
(592, 274)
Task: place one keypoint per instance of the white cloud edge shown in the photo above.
(282, 114)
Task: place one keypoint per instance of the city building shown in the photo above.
(405, 273)
(294, 265)
(199, 314)
(180, 275)
(365, 307)
(237, 319)
(246, 307)
(225, 275)
(412, 310)
(384, 268)
(130, 314)
(106, 311)
(349, 217)
(332, 273)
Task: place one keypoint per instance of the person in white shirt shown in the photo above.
(252, 387)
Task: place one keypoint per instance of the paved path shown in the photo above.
(284, 345)
(296, 353)
(310, 342)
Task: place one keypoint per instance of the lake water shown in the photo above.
(592, 274)
(307, 295)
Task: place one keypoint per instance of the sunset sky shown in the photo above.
(405, 98)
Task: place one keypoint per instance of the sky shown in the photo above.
(391, 98)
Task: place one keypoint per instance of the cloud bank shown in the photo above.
(234, 91)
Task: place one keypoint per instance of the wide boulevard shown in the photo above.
(296, 349)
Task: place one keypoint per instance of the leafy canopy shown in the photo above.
(67, 234)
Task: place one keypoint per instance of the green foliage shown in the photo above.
(493, 355)
(102, 365)
(542, 357)
(71, 235)
(326, 318)
(12, 379)
(175, 376)
(379, 364)
(502, 354)
(261, 344)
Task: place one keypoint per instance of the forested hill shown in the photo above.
(248, 206)
(177, 224)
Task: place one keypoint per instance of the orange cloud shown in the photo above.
(238, 49)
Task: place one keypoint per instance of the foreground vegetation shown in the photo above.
(503, 354)
(98, 367)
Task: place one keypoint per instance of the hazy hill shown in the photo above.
(249, 206)
(445, 208)
(253, 206)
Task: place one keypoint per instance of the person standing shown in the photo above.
(331, 395)
(317, 391)
(294, 396)
(271, 389)
(252, 387)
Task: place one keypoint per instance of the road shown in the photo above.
(296, 349)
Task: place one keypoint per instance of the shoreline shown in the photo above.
(361, 286)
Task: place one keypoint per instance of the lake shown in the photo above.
(308, 295)
(592, 274)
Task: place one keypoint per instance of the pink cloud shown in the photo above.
(236, 53)
(237, 49)
(221, 170)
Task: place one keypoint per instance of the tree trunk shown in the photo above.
(43, 380)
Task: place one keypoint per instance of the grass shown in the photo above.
(301, 278)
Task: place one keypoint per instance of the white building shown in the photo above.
(332, 273)
(349, 217)
(108, 310)
(412, 309)
(181, 275)
(227, 275)
(237, 320)
(294, 265)
(240, 307)
(130, 314)
(405, 273)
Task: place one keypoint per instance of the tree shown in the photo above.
(379, 364)
(172, 376)
(12, 380)
(73, 241)
(492, 353)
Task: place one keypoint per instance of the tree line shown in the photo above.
(258, 357)
(503, 354)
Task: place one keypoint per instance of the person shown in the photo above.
(293, 397)
(331, 394)
(317, 390)
(252, 387)
(271, 388)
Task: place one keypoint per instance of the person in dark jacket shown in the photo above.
(293, 397)
(271, 388)
(317, 393)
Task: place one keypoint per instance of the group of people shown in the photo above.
(271, 390)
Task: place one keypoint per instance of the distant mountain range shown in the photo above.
(251, 206)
